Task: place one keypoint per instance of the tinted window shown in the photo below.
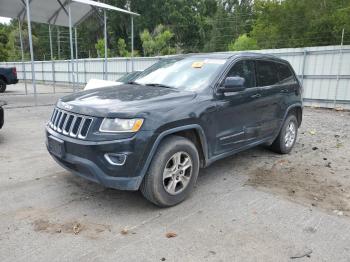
(244, 69)
(285, 74)
(266, 73)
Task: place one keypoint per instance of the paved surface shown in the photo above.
(255, 206)
(46, 94)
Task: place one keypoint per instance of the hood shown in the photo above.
(124, 100)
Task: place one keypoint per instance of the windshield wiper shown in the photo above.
(159, 85)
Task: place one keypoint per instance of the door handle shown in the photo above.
(255, 96)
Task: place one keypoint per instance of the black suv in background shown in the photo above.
(181, 114)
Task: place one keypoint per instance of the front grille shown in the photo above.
(70, 124)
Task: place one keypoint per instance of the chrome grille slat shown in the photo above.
(54, 118)
(57, 120)
(70, 124)
(63, 115)
(64, 128)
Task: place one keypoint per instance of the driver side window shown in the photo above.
(246, 70)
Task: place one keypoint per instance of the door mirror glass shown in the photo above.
(232, 84)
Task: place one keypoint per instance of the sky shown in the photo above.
(4, 20)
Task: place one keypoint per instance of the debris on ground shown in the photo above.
(170, 234)
(312, 132)
(314, 148)
(339, 145)
(124, 231)
(305, 254)
(76, 228)
(338, 212)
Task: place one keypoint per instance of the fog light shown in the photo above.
(115, 159)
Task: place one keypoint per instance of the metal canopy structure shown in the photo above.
(54, 12)
(67, 13)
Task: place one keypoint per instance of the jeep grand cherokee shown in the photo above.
(181, 114)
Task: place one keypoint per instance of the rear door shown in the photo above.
(271, 101)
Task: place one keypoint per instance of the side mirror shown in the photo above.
(232, 84)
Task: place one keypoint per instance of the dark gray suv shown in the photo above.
(181, 114)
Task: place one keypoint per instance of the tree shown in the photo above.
(3, 42)
(100, 48)
(121, 47)
(157, 43)
(243, 42)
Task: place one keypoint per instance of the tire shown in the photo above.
(162, 185)
(281, 145)
(2, 86)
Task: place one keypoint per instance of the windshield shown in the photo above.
(182, 73)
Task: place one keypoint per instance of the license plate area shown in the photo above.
(56, 146)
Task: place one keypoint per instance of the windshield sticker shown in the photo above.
(215, 61)
(197, 64)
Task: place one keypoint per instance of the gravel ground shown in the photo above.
(254, 206)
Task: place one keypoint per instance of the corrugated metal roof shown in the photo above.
(54, 11)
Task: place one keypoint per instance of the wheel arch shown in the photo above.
(297, 110)
(194, 132)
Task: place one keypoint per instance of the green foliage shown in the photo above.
(100, 48)
(157, 43)
(243, 42)
(192, 26)
(3, 50)
(297, 23)
(121, 47)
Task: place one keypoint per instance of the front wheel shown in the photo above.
(287, 136)
(172, 173)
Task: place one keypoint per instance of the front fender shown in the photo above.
(167, 132)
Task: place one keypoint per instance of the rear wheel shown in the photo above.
(2, 86)
(172, 173)
(287, 136)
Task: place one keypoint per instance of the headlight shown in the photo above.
(116, 125)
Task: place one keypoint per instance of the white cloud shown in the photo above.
(4, 20)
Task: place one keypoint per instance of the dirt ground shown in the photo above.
(254, 206)
(317, 173)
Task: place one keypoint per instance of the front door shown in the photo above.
(236, 116)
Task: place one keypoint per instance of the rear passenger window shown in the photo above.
(285, 74)
(266, 73)
(244, 69)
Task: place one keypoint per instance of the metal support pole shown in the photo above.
(76, 55)
(22, 53)
(42, 70)
(58, 44)
(339, 69)
(71, 45)
(105, 38)
(132, 43)
(85, 70)
(52, 62)
(303, 68)
(31, 52)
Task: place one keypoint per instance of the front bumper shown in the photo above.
(86, 159)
